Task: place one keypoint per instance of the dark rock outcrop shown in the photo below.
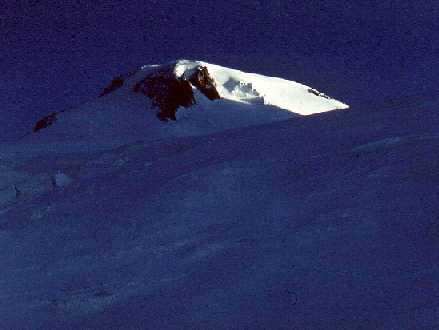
(167, 92)
(317, 93)
(45, 122)
(202, 80)
(117, 83)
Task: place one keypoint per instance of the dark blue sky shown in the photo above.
(58, 54)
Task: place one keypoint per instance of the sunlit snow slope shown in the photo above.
(251, 88)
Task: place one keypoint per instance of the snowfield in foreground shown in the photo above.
(327, 221)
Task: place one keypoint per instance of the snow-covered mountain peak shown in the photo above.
(183, 98)
(239, 86)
